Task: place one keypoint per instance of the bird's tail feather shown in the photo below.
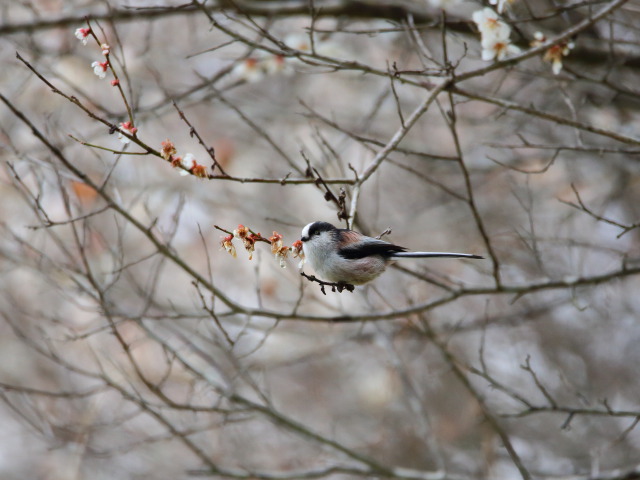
(433, 255)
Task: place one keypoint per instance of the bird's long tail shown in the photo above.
(433, 255)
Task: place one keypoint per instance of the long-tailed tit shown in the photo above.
(341, 255)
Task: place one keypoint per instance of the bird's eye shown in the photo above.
(316, 233)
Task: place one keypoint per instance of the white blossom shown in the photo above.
(83, 34)
(126, 127)
(495, 48)
(494, 35)
(249, 70)
(298, 42)
(490, 24)
(100, 68)
(276, 64)
(187, 162)
(555, 53)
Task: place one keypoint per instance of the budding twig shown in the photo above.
(193, 132)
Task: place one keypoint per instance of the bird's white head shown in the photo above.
(317, 238)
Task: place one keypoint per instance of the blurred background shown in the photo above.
(133, 346)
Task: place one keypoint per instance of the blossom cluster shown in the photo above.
(555, 53)
(187, 164)
(494, 35)
(99, 68)
(257, 67)
(249, 239)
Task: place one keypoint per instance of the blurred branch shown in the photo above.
(57, 394)
(573, 411)
(568, 148)
(450, 117)
(489, 416)
(150, 150)
(509, 105)
(569, 283)
(358, 10)
(398, 313)
(581, 206)
(384, 10)
(372, 141)
(193, 132)
(112, 293)
(390, 146)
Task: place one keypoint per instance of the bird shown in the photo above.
(341, 255)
